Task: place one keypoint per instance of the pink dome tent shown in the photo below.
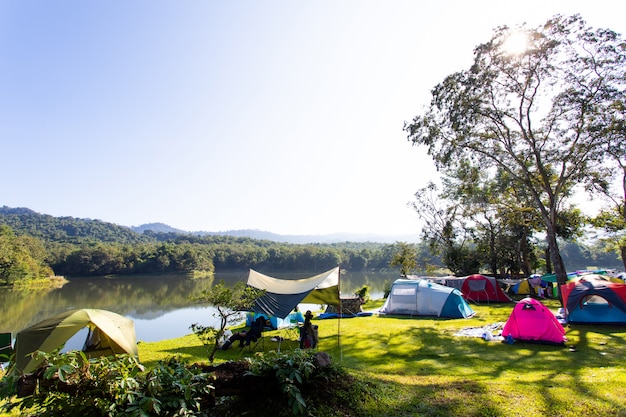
(531, 321)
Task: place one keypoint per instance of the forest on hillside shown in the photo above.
(84, 247)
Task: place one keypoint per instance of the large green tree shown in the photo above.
(21, 258)
(612, 218)
(446, 230)
(500, 214)
(531, 113)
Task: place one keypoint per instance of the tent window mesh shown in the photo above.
(593, 300)
(403, 290)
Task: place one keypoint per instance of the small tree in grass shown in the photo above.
(404, 256)
(228, 302)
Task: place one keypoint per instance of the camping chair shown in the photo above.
(254, 336)
(293, 330)
(290, 334)
(255, 344)
(6, 348)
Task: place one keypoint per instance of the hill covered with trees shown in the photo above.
(85, 247)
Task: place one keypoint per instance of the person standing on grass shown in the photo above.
(308, 332)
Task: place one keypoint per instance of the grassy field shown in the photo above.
(418, 367)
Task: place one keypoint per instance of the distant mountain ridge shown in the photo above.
(297, 239)
(68, 228)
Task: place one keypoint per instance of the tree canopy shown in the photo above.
(532, 115)
(107, 252)
(405, 256)
(21, 258)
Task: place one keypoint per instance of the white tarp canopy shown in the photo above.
(283, 295)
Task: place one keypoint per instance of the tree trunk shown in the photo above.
(557, 260)
(548, 261)
(492, 252)
(523, 255)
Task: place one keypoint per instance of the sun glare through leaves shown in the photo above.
(516, 43)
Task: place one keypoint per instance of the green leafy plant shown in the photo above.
(404, 256)
(364, 293)
(73, 385)
(291, 371)
(173, 388)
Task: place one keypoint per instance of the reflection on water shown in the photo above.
(161, 306)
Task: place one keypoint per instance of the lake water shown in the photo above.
(161, 306)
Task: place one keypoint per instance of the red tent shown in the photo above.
(479, 288)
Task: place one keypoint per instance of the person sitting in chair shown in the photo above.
(256, 331)
(247, 336)
(308, 332)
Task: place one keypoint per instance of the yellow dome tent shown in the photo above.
(109, 334)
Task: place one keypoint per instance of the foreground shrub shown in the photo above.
(303, 382)
(72, 385)
(273, 384)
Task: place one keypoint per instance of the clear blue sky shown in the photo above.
(283, 116)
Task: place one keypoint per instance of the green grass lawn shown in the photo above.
(417, 366)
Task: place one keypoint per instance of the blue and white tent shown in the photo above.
(594, 299)
(421, 297)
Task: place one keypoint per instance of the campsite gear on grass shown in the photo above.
(531, 321)
(421, 297)
(350, 306)
(255, 332)
(281, 296)
(594, 299)
(109, 334)
(489, 332)
(296, 320)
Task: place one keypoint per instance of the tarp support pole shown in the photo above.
(339, 320)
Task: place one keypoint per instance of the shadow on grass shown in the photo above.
(421, 368)
(456, 398)
(194, 351)
(595, 357)
(451, 375)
